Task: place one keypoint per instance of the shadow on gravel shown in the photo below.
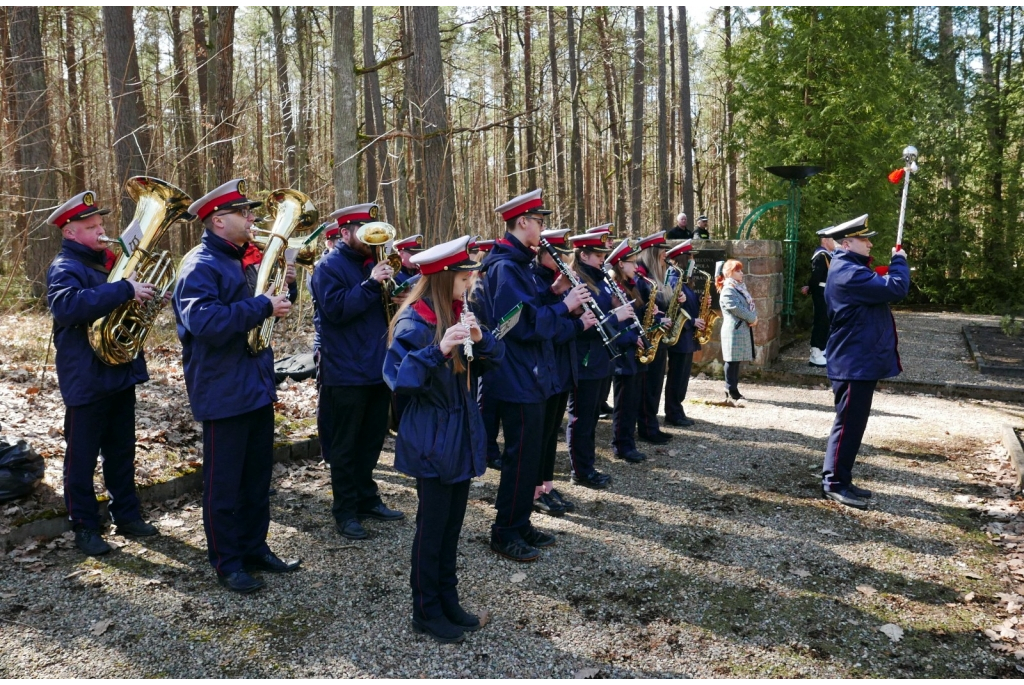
(808, 406)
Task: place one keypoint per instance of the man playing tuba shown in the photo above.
(99, 399)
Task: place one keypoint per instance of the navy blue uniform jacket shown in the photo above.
(592, 356)
(350, 322)
(687, 343)
(441, 433)
(565, 349)
(862, 340)
(529, 373)
(626, 363)
(77, 293)
(215, 310)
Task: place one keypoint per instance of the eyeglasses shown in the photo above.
(246, 212)
(538, 219)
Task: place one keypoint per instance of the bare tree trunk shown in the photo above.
(188, 175)
(221, 96)
(673, 151)
(636, 159)
(302, 128)
(576, 150)
(284, 95)
(505, 42)
(132, 140)
(346, 168)
(733, 191)
(950, 172)
(686, 110)
(429, 117)
(664, 217)
(76, 161)
(531, 148)
(39, 186)
(613, 116)
(556, 118)
(375, 125)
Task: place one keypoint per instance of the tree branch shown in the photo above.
(380, 65)
(446, 132)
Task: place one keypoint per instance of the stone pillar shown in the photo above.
(762, 269)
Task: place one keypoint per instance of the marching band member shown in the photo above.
(99, 399)
(820, 261)
(528, 376)
(739, 317)
(441, 437)
(626, 380)
(354, 402)
(604, 410)
(680, 355)
(553, 286)
(407, 248)
(594, 364)
(651, 265)
(231, 391)
(862, 348)
(488, 405)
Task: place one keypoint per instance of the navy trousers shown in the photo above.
(435, 546)
(492, 420)
(652, 377)
(523, 426)
(853, 406)
(676, 384)
(624, 412)
(353, 422)
(732, 379)
(819, 329)
(554, 410)
(238, 454)
(584, 401)
(105, 427)
(606, 388)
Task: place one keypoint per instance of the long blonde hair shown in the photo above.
(655, 266)
(438, 289)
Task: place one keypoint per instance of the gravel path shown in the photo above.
(713, 558)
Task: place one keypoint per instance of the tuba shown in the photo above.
(117, 338)
(707, 314)
(654, 331)
(288, 210)
(379, 235)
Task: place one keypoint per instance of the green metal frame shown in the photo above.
(792, 204)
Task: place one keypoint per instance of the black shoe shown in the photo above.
(538, 539)
(658, 438)
(351, 529)
(270, 563)
(382, 513)
(845, 496)
(596, 480)
(566, 504)
(605, 409)
(461, 618)
(859, 492)
(441, 629)
(91, 542)
(632, 456)
(546, 504)
(516, 550)
(684, 422)
(138, 528)
(240, 582)
(494, 463)
(272, 492)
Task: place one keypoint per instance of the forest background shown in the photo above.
(622, 114)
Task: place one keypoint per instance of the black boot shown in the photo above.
(441, 629)
(460, 617)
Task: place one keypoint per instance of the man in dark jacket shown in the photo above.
(861, 347)
(231, 390)
(99, 399)
(820, 261)
(680, 231)
(529, 375)
(352, 327)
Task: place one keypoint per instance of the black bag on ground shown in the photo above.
(21, 469)
(298, 367)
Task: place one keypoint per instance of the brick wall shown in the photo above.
(762, 269)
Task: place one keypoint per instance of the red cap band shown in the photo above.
(521, 209)
(211, 206)
(435, 267)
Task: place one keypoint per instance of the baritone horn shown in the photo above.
(118, 337)
(380, 235)
(287, 211)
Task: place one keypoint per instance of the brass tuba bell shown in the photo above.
(287, 211)
(118, 337)
(380, 235)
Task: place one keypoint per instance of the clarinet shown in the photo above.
(609, 278)
(467, 344)
(590, 305)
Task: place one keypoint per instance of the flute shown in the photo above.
(467, 344)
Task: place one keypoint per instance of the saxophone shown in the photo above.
(288, 210)
(675, 312)
(654, 332)
(117, 338)
(707, 314)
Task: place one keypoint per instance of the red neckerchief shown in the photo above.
(642, 270)
(368, 261)
(506, 242)
(427, 314)
(252, 256)
(109, 259)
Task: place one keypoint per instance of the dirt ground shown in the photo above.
(715, 557)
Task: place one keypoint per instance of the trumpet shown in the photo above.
(379, 235)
